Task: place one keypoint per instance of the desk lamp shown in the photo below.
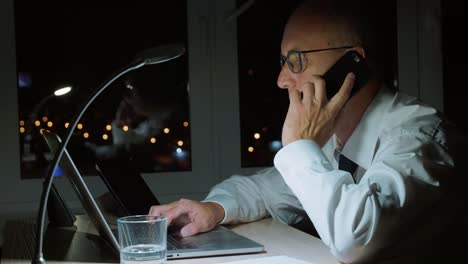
(35, 113)
(154, 55)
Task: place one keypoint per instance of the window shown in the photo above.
(263, 105)
(455, 106)
(144, 115)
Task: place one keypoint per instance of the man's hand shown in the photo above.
(313, 116)
(193, 217)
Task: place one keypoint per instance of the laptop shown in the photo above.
(219, 241)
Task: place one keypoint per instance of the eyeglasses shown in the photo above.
(294, 58)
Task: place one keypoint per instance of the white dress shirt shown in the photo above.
(404, 192)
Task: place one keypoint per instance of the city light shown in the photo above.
(108, 127)
(180, 153)
(186, 124)
(22, 130)
(250, 149)
(257, 135)
(85, 135)
(44, 119)
(125, 128)
(67, 124)
(153, 140)
(21, 123)
(37, 123)
(105, 136)
(50, 124)
(166, 130)
(275, 145)
(79, 126)
(180, 143)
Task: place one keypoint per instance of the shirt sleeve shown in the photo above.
(249, 198)
(355, 220)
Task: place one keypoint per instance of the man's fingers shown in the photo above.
(319, 87)
(157, 210)
(340, 99)
(174, 213)
(294, 96)
(190, 230)
(308, 90)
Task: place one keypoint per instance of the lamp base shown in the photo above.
(38, 260)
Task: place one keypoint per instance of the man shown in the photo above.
(401, 198)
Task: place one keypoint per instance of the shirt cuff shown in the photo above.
(300, 154)
(228, 204)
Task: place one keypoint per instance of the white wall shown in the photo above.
(13, 195)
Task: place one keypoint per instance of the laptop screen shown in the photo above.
(82, 191)
(126, 185)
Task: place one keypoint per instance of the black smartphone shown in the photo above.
(353, 62)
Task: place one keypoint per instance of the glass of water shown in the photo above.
(142, 239)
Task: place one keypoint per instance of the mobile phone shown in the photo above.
(353, 62)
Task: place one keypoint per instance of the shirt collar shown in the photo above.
(361, 146)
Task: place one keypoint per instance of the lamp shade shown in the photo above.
(62, 91)
(160, 54)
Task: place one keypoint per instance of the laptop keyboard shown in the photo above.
(176, 242)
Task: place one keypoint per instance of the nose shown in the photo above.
(285, 80)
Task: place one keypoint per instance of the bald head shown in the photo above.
(324, 19)
(370, 24)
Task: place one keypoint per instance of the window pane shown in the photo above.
(143, 115)
(262, 104)
(455, 106)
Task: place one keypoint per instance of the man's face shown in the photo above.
(307, 33)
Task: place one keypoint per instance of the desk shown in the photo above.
(278, 239)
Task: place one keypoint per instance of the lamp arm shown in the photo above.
(38, 107)
(39, 258)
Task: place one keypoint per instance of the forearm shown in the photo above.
(356, 220)
(239, 196)
(248, 198)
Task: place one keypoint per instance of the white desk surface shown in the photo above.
(278, 239)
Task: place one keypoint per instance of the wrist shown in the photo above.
(217, 210)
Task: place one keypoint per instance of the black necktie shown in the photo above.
(306, 225)
(347, 165)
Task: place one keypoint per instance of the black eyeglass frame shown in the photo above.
(284, 59)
